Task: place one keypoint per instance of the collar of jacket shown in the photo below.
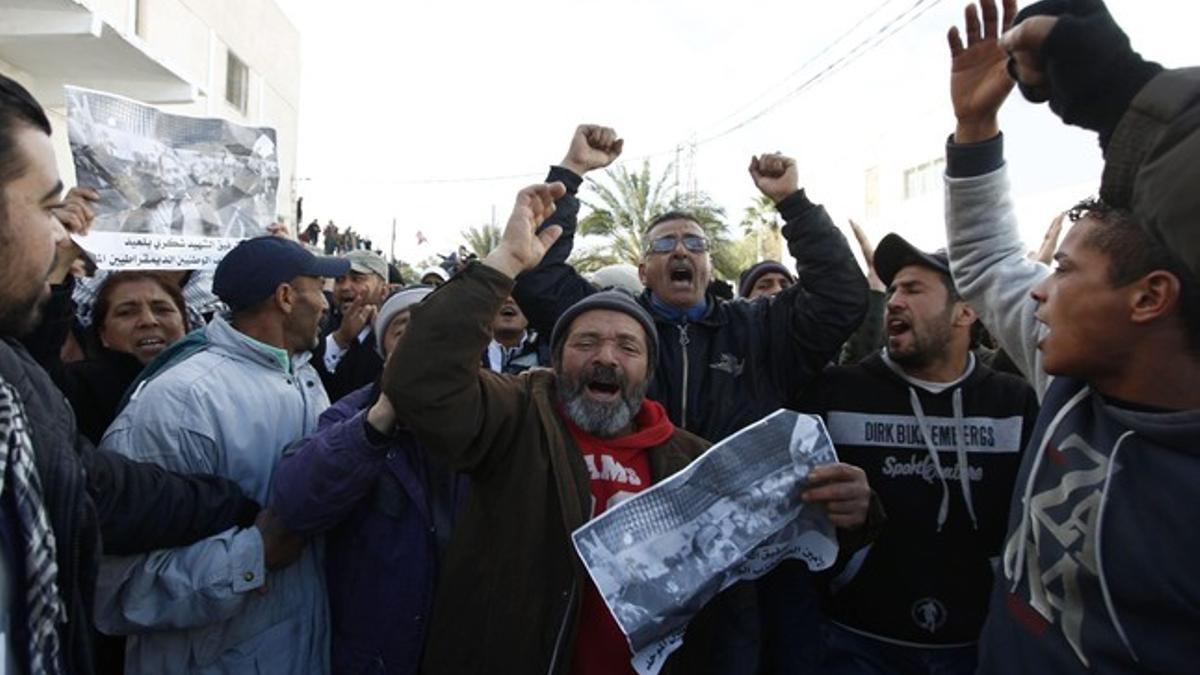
(225, 338)
(714, 314)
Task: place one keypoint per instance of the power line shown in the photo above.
(825, 50)
(871, 42)
(879, 37)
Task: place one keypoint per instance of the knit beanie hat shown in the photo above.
(400, 301)
(615, 300)
(751, 275)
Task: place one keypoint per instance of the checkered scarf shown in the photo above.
(45, 607)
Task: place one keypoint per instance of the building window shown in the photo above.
(237, 82)
(924, 178)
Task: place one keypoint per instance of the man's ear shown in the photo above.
(1154, 296)
(285, 297)
(964, 315)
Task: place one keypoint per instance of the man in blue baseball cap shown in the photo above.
(231, 408)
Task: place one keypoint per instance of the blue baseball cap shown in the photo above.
(252, 271)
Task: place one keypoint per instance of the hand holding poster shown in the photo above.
(731, 515)
(176, 192)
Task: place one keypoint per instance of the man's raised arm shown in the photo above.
(813, 319)
(987, 256)
(433, 377)
(547, 290)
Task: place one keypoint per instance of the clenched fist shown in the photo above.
(775, 175)
(592, 147)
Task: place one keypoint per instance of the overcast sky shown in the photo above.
(396, 94)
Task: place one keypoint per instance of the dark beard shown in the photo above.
(602, 420)
(927, 347)
(20, 319)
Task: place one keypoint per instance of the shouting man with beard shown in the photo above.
(545, 452)
(940, 436)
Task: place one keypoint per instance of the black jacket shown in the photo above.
(96, 386)
(101, 502)
(922, 581)
(360, 365)
(743, 359)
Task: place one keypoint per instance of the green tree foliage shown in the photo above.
(624, 203)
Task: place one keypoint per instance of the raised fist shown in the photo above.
(775, 175)
(592, 147)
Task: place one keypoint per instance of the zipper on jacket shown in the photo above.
(684, 341)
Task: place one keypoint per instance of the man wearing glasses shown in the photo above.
(723, 364)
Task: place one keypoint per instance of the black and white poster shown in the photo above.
(731, 515)
(176, 192)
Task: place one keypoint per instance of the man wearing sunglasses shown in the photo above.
(723, 364)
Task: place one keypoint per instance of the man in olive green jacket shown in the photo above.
(546, 451)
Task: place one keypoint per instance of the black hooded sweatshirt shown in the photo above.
(926, 580)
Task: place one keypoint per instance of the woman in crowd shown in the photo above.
(137, 315)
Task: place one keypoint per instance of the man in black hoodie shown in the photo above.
(940, 437)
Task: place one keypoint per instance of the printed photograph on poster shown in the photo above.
(172, 187)
(731, 515)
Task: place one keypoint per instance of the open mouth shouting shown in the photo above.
(681, 275)
(603, 385)
(897, 327)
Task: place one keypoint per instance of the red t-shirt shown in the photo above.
(619, 469)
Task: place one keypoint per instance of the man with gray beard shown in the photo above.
(940, 437)
(545, 452)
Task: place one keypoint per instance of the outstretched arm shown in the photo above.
(547, 290)
(433, 378)
(987, 257)
(809, 322)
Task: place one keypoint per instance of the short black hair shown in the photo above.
(665, 217)
(17, 106)
(671, 215)
(1133, 251)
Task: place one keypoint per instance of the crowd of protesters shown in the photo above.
(297, 464)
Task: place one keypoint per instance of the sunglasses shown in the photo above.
(666, 244)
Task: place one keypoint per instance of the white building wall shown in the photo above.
(192, 38)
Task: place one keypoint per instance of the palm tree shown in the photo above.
(482, 239)
(621, 212)
(761, 222)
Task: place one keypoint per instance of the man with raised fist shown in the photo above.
(723, 364)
